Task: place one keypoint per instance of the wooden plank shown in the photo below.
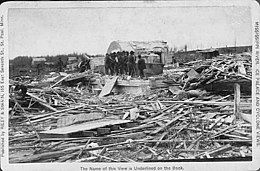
(60, 111)
(132, 83)
(213, 103)
(60, 80)
(174, 89)
(41, 156)
(216, 121)
(237, 100)
(89, 133)
(42, 102)
(161, 113)
(78, 76)
(216, 151)
(246, 117)
(244, 76)
(69, 120)
(83, 127)
(92, 158)
(221, 132)
(108, 87)
(241, 68)
(135, 135)
(192, 74)
(103, 131)
(169, 123)
(161, 138)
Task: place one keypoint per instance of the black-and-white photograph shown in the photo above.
(130, 83)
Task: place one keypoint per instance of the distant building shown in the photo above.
(36, 61)
(72, 59)
(183, 57)
(142, 47)
(50, 63)
(209, 53)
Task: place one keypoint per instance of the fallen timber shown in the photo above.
(164, 121)
(198, 103)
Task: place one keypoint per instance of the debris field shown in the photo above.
(201, 110)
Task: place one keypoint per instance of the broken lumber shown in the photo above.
(42, 102)
(69, 120)
(60, 81)
(237, 100)
(108, 87)
(215, 151)
(65, 131)
(57, 112)
(213, 103)
(169, 123)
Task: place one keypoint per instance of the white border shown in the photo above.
(133, 4)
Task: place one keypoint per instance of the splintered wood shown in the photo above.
(82, 127)
(108, 87)
(72, 119)
(68, 122)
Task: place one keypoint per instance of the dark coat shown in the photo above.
(131, 59)
(141, 64)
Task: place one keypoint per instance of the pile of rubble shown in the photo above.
(74, 117)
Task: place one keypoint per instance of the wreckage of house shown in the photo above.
(200, 111)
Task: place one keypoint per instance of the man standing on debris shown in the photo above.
(141, 66)
(174, 62)
(117, 65)
(125, 62)
(60, 65)
(113, 63)
(38, 67)
(107, 64)
(121, 63)
(87, 62)
(82, 65)
(131, 64)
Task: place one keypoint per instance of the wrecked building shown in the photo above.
(174, 116)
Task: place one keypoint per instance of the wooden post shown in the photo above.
(237, 100)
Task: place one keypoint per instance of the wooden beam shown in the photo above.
(237, 96)
(169, 123)
(42, 102)
(60, 81)
(72, 119)
(91, 125)
(213, 103)
(57, 112)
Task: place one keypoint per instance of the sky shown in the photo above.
(36, 32)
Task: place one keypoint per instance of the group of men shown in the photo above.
(83, 65)
(123, 62)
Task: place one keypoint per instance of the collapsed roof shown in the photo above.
(151, 46)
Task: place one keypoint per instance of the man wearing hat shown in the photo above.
(87, 61)
(113, 63)
(60, 65)
(107, 64)
(82, 65)
(121, 61)
(126, 54)
(141, 66)
(131, 63)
